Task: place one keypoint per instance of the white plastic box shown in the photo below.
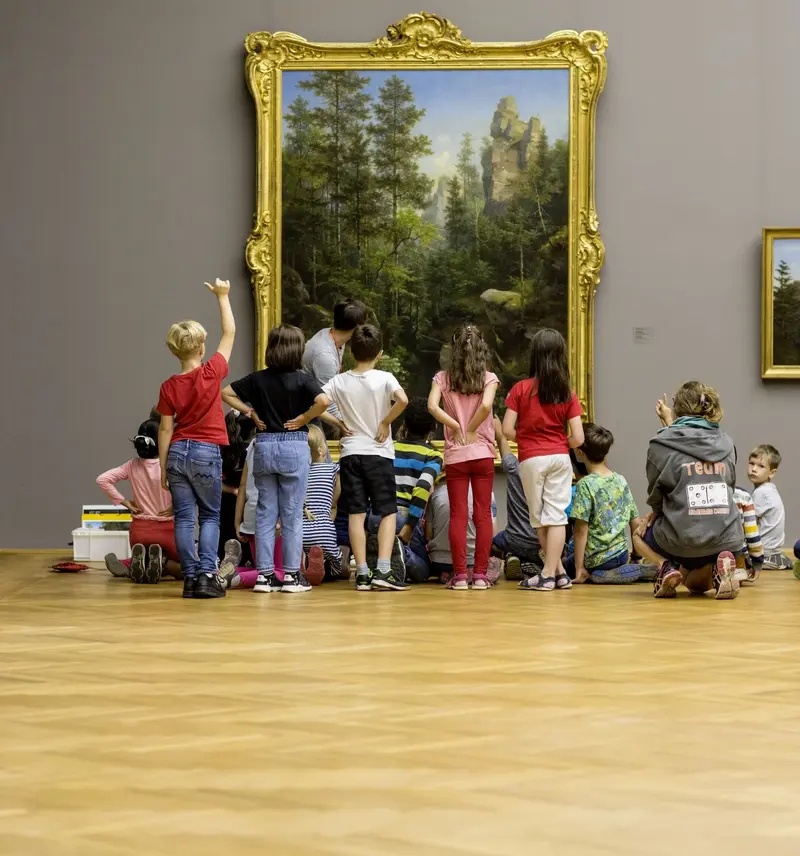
(92, 545)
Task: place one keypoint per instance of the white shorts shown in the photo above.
(547, 482)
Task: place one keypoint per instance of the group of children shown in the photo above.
(411, 512)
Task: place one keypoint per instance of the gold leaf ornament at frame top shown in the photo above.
(423, 36)
(273, 49)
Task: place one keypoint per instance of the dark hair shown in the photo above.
(366, 343)
(468, 361)
(154, 414)
(550, 367)
(348, 314)
(772, 455)
(597, 442)
(579, 468)
(146, 440)
(240, 430)
(417, 421)
(285, 345)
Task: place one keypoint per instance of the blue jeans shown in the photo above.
(280, 468)
(609, 565)
(194, 474)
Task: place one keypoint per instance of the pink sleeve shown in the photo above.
(490, 378)
(440, 379)
(574, 407)
(106, 482)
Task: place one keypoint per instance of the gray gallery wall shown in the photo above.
(127, 148)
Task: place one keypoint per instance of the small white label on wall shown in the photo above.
(643, 335)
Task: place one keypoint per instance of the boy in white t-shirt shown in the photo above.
(761, 469)
(368, 401)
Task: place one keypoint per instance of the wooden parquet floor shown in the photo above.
(433, 723)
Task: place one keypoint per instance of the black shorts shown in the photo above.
(693, 563)
(368, 483)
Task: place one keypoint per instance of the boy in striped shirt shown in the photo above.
(753, 549)
(416, 467)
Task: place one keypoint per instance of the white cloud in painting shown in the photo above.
(442, 160)
(443, 139)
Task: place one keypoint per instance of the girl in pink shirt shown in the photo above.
(467, 390)
(152, 534)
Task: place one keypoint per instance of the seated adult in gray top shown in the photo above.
(324, 351)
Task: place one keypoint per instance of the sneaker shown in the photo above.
(230, 561)
(364, 581)
(617, 576)
(115, 567)
(795, 572)
(138, 564)
(667, 581)
(155, 564)
(538, 582)
(398, 560)
(459, 582)
(494, 570)
(387, 581)
(724, 577)
(209, 586)
(513, 568)
(563, 581)
(295, 583)
(315, 568)
(266, 582)
(777, 561)
(189, 585)
(529, 569)
(372, 551)
(481, 582)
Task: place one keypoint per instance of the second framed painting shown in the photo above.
(441, 181)
(780, 304)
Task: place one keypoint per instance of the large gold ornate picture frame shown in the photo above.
(780, 304)
(532, 216)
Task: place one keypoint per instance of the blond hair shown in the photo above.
(186, 338)
(317, 444)
(770, 454)
(697, 399)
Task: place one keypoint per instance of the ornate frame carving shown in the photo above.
(419, 41)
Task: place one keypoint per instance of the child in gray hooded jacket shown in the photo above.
(694, 528)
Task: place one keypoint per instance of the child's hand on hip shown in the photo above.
(132, 507)
(383, 433)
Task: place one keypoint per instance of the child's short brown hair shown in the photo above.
(597, 442)
(285, 346)
(769, 453)
(697, 399)
(366, 343)
(186, 338)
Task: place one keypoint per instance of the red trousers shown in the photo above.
(478, 474)
(161, 532)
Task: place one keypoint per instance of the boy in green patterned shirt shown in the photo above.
(602, 510)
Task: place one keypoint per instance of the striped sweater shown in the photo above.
(752, 538)
(416, 468)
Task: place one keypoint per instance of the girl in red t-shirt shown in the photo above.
(467, 390)
(539, 411)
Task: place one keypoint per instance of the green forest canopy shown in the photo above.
(354, 225)
(785, 317)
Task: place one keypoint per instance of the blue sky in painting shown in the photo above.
(788, 250)
(457, 102)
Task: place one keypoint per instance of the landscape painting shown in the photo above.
(438, 197)
(781, 303)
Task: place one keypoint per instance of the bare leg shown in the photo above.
(700, 580)
(554, 538)
(174, 568)
(386, 536)
(649, 554)
(358, 538)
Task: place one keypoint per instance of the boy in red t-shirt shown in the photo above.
(192, 430)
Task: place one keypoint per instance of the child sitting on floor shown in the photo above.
(324, 558)
(761, 469)
(602, 510)
(518, 543)
(694, 527)
(152, 533)
(753, 550)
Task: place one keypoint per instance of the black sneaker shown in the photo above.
(208, 586)
(115, 567)
(155, 565)
(372, 551)
(189, 585)
(387, 581)
(138, 564)
(364, 581)
(398, 560)
(294, 583)
(267, 582)
(513, 568)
